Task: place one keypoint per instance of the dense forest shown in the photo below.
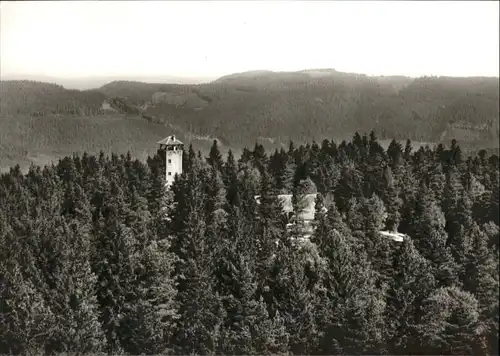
(97, 256)
(272, 108)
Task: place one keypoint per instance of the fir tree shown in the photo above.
(479, 276)
(449, 324)
(354, 318)
(230, 178)
(350, 186)
(392, 202)
(293, 300)
(25, 318)
(113, 264)
(269, 231)
(395, 153)
(299, 196)
(408, 150)
(201, 311)
(410, 285)
(215, 158)
(249, 328)
(430, 238)
(72, 291)
(150, 316)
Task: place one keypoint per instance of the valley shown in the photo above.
(41, 121)
(249, 178)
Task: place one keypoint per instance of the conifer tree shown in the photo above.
(336, 220)
(449, 324)
(350, 186)
(430, 238)
(216, 215)
(248, 188)
(395, 153)
(25, 318)
(322, 226)
(410, 285)
(392, 202)
(291, 149)
(355, 319)
(188, 159)
(459, 223)
(216, 197)
(278, 170)
(452, 192)
(150, 316)
(377, 247)
(215, 158)
(287, 176)
(408, 150)
(299, 196)
(293, 300)
(200, 310)
(58, 268)
(479, 276)
(235, 242)
(437, 182)
(494, 197)
(269, 230)
(250, 329)
(323, 170)
(455, 154)
(373, 170)
(72, 290)
(354, 218)
(67, 170)
(149, 308)
(259, 158)
(230, 178)
(408, 186)
(113, 264)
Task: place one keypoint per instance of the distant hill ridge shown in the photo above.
(87, 83)
(242, 108)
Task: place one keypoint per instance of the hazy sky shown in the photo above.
(207, 39)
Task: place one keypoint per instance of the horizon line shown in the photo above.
(215, 77)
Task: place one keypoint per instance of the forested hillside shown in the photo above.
(95, 256)
(41, 122)
(241, 109)
(320, 104)
(23, 97)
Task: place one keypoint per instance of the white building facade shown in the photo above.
(172, 150)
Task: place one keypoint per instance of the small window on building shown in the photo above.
(169, 173)
(169, 161)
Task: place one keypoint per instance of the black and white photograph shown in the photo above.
(249, 177)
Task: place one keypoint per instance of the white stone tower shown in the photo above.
(171, 149)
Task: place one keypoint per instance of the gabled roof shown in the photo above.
(395, 236)
(170, 140)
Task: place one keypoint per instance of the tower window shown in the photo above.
(169, 161)
(169, 173)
